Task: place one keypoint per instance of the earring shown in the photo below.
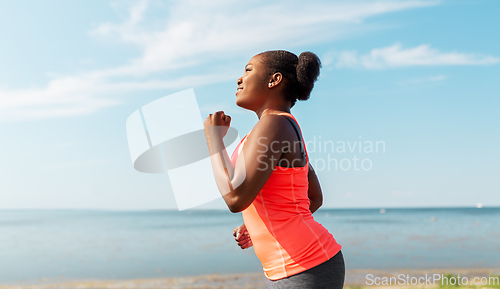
(270, 84)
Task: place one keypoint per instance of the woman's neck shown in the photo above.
(274, 110)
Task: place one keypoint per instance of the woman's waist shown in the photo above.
(280, 222)
(281, 211)
(300, 241)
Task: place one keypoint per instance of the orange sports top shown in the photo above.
(286, 238)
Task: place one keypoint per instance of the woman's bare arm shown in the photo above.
(240, 184)
(314, 192)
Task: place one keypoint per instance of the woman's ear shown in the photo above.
(275, 79)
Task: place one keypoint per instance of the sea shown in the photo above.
(63, 245)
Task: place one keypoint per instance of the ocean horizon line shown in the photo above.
(224, 210)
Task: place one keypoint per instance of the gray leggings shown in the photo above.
(327, 275)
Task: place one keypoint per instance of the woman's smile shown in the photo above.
(239, 89)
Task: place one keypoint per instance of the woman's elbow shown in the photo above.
(238, 204)
(236, 208)
(232, 202)
(232, 205)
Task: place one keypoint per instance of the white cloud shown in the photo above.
(201, 34)
(435, 78)
(422, 55)
(218, 30)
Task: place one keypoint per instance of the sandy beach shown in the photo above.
(354, 279)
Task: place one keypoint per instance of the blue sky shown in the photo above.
(419, 76)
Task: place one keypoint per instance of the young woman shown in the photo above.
(269, 178)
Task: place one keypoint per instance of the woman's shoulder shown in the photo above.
(274, 126)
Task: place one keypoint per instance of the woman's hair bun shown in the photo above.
(307, 73)
(300, 72)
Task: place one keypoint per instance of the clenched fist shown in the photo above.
(218, 123)
(242, 237)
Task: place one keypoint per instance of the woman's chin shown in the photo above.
(245, 103)
(239, 103)
(242, 105)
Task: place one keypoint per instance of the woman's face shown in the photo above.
(252, 86)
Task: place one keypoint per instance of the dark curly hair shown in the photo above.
(300, 72)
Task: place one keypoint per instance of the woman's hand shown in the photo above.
(217, 123)
(242, 237)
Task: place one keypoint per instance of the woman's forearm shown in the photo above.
(219, 156)
(222, 167)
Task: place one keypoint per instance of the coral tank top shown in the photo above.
(286, 238)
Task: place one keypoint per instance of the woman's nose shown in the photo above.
(239, 81)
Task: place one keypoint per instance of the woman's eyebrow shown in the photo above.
(247, 65)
